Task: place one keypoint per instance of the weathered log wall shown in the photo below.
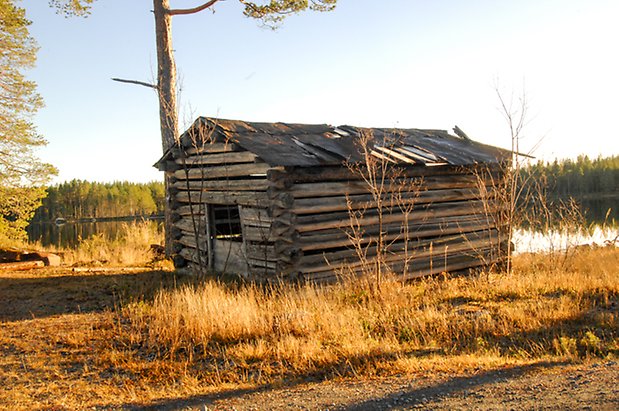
(222, 174)
(429, 219)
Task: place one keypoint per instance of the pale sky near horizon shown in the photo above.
(390, 63)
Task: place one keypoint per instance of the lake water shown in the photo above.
(69, 235)
(601, 210)
(528, 241)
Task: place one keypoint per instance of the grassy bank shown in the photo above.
(85, 340)
(131, 246)
(245, 333)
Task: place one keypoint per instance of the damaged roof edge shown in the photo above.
(289, 144)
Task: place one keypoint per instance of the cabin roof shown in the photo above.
(306, 145)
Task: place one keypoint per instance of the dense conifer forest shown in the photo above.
(83, 199)
(581, 178)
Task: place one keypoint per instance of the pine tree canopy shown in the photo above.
(22, 175)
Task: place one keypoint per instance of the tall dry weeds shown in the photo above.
(132, 246)
(536, 312)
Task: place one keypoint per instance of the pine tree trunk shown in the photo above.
(166, 87)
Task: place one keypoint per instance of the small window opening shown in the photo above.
(227, 222)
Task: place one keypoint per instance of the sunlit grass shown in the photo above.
(132, 246)
(538, 311)
(77, 340)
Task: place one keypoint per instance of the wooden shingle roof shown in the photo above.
(305, 145)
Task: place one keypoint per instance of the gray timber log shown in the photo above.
(327, 189)
(257, 199)
(455, 209)
(339, 173)
(207, 147)
(311, 243)
(223, 158)
(223, 185)
(353, 202)
(441, 251)
(229, 257)
(215, 172)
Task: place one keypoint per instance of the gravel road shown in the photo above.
(546, 386)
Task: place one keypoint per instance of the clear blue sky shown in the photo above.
(390, 63)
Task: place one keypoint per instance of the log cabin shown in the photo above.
(276, 201)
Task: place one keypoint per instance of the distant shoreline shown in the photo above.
(607, 195)
(82, 220)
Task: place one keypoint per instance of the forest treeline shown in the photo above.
(579, 178)
(80, 199)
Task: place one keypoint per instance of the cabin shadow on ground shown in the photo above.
(40, 294)
(417, 396)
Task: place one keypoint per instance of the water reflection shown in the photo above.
(69, 235)
(601, 210)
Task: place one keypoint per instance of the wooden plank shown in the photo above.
(212, 148)
(339, 173)
(187, 224)
(258, 272)
(415, 269)
(402, 247)
(309, 244)
(355, 202)
(218, 172)
(455, 209)
(264, 252)
(193, 255)
(304, 190)
(190, 241)
(229, 257)
(437, 265)
(392, 211)
(398, 227)
(459, 264)
(395, 154)
(440, 252)
(260, 263)
(187, 210)
(210, 217)
(223, 158)
(383, 157)
(259, 234)
(257, 184)
(257, 217)
(246, 198)
(337, 188)
(423, 155)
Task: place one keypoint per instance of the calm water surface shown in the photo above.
(69, 235)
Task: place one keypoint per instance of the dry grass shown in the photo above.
(533, 313)
(131, 247)
(80, 340)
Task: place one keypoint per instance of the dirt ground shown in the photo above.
(41, 360)
(542, 387)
